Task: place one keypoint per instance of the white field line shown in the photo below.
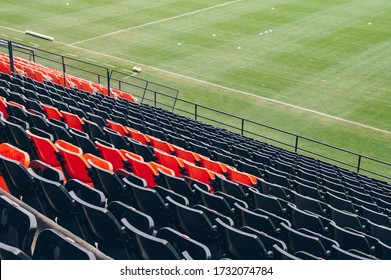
(236, 90)
(154, 22)
(108, 65)
(12, 29)
(227, 88)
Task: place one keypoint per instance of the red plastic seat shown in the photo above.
(174, 163)
(51, 112)
(73, 121)
(3, 106)
(241, 177)
(187, 155)
(199, 173)
(215, 166)
(46, 150)
(5, 68)
(117, 127)
(100, 162)
(114, 156)
(162, 145)
(12, 152)
(137, 135)
(76, 166)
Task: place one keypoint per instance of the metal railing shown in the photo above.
(166, 97)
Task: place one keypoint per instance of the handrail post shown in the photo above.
(242, 128)
(64, 70)
(297, 143)
(195, 111)
(11, 57)
(108, 82)
(359, 163)
(145, 91)
(154, 98)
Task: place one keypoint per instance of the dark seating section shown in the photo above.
(140, 182)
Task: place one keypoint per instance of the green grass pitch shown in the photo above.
(319, 68)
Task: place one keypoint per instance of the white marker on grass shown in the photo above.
(214, 35)
(238, 48)
(67, 3)
(179, 44)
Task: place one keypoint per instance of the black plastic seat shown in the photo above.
(194, 223)
(381, 232)
(255, 220)
(178, 185)
(58, 204)
(185, 245)
(103, 228)
(269, 203)
(60, 130)
(109, 183)
(150, 202)
(148, 247)
(214, 201)
(83, 140)
(52, 245)
(348, 239)
(305, 219)
(85, 192)
(8, 252)
(241, 245)
(94, 130)
(138, 219)
(19, 182)
(298, 241)
(18, 226)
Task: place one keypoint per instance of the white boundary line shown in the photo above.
(154, 22)
(224, 87)
(236, 90)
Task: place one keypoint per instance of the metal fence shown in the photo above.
(165, 97)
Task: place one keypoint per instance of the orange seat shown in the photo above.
(241, 177)
(132, 155)
(174, 163)
(5, 68)
(12, 152)
(51, 112)
(73, 121)
(76, 166)
(215, 166)
(187, 155)
(114, 156)
(100, 162)
(137, 135)
(199, 173)
(3, 106)
(117, 127)
(46, 150)
(162, 145)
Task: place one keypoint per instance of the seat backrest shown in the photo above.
(12, 253)
(150, 202)
(148, 247)
(113, 155)
(103, 228)
(193, 222)
(137, 218)
(255, 220)
(239, 244)
(85, 192)
(52, 245)
(45, 149)
(18, 226)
